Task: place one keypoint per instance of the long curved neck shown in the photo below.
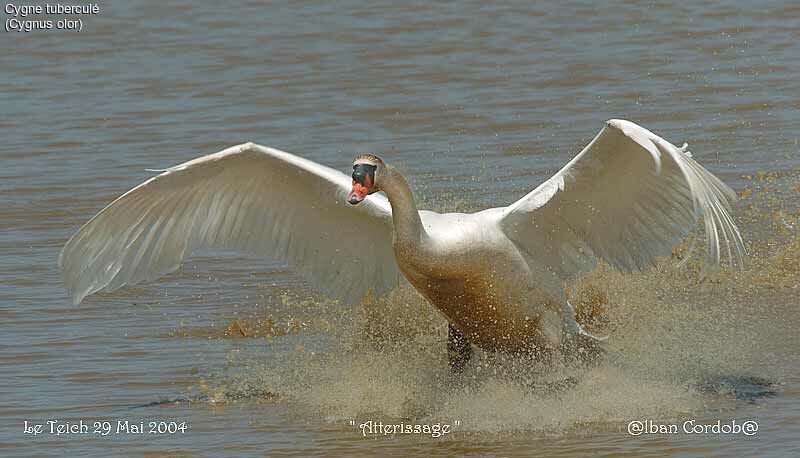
(405, 216)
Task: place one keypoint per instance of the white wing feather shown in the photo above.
(247, 197)
(629, 197)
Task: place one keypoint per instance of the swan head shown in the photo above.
(367, 169)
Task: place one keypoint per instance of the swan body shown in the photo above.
(497, 275)
(467, 269)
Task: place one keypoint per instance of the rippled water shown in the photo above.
(477, 104)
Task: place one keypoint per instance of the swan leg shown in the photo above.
(459, 349)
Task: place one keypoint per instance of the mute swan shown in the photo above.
(497, 275)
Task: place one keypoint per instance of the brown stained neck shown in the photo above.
(408, 230)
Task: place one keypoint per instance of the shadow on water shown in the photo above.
(251, 393)
(742, 387)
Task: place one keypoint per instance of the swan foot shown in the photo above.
(459, 349)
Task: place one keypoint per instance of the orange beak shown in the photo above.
(359, 191)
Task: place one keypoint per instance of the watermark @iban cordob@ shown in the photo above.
(732, 427)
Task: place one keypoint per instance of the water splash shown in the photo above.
(682, 339)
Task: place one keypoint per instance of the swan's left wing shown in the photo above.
(247, 197)
(629, 197)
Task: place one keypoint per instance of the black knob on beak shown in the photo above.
(364, 174)
(359, 175)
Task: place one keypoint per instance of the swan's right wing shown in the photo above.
(247, 197)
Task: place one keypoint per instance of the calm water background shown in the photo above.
(477, 104)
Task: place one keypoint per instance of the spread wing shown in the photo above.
(629, 197)
(247, 197)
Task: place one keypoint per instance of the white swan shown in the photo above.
(497, 275)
